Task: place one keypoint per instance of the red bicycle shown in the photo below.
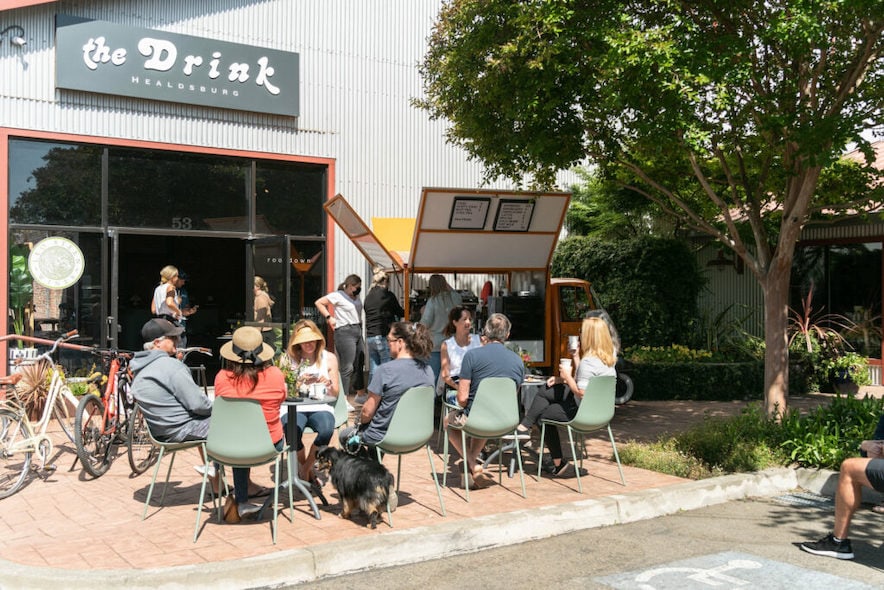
(104, 422)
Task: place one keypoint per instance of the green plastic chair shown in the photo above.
(238, 437)
(494, 414)
(594, 413)
(411, 427)
(165, 447)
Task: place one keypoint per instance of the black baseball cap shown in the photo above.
(157, 328)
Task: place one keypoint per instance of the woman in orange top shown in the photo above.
(251, 374)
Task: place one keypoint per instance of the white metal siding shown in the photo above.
(358, 62)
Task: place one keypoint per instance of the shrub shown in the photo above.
(664, 457)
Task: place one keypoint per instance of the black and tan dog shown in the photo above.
(361, 483)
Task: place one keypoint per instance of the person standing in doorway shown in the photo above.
(184, 305)
(347, 324)
(164, 303)
(263, 301)
(435, 316)
(381, 309)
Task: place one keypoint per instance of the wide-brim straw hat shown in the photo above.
(306, 334)
(247, 347)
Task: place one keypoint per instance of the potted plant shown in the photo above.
(848, 372)
(21, 288)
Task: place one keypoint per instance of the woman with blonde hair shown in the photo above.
(263, 301)
(164, 303)
(560, 403)
(311, 363)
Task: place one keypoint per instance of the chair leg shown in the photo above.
(399, 474)
(616, 455)
(435, 479)
(574, 458)
(275, 497)
(199, 508)
(445, 460)
(540, 451)
(153, 480)
(466, 478)
(518, 452)
(168, 475)
(291, 465)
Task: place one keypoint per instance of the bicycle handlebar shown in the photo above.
(199, 349)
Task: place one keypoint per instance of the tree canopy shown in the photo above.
(724, 114)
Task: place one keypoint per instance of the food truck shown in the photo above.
(495, 247)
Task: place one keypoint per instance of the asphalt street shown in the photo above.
(740, 544)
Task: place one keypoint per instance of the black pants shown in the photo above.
(552, 403)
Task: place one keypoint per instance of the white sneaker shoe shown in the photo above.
(201, 469)
(394, 500)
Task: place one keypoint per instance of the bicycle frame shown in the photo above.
(37, 441)
(114, 405)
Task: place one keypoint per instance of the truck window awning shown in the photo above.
(461, 230)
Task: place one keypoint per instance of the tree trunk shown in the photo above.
(776, 355)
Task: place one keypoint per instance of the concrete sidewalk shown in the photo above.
(76, 532)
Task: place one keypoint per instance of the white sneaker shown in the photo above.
(201, 469)
(394, 500)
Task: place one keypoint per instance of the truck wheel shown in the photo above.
(624, 389)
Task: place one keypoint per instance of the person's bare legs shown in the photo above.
(849, 495)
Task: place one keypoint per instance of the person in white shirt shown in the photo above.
(347, 323)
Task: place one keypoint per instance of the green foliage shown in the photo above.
(848, 366)
(725, 115)
(649, 285)
(666, 354)
(21, 285)
(697, 380)
(751, 441)
(826, 436)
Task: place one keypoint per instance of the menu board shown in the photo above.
(514, 215)
(469, 213)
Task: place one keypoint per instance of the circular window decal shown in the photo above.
(56, 263)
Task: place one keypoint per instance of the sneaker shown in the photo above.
(201, 469)
(829, 547)
(563, 470)
(247, 509)
(361, 399)
(393, 500)
(518, 435)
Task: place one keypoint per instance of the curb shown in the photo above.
(424, 543)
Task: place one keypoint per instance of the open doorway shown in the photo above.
(216, 272)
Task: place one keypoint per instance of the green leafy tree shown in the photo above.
(753, 99)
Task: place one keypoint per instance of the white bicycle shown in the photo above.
(20, 439)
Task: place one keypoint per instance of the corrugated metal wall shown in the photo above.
(358, 61)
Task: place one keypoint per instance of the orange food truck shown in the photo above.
(497, 245)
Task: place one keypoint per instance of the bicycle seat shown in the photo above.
(11, 379)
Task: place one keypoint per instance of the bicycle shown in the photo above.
(142, 453)
(103, 422)
(19, 437)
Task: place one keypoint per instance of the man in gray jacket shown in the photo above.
(176, 409)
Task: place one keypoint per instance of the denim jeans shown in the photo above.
(378, 353)
(241, 477)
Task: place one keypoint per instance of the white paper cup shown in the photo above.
(565, 364)
(317, 391)
(573, 342)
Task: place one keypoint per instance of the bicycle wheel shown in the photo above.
(142, 453)
(93, 447)
(14, 464)
(65, 413)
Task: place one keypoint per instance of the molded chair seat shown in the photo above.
(165, 447)
(594, 413)
(494, 414)
(238, 437)
(411, 427)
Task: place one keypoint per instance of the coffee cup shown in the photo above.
(565, 364)
(317, 391)
(573, 343)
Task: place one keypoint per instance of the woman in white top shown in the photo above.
(165, 297)
(347, 323)
(459, 341)
(560, 403)
(435, 316)
(311, 363)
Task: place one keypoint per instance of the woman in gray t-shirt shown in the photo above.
(410, 346)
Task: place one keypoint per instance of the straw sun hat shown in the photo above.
(247, 347)
(306, 334)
